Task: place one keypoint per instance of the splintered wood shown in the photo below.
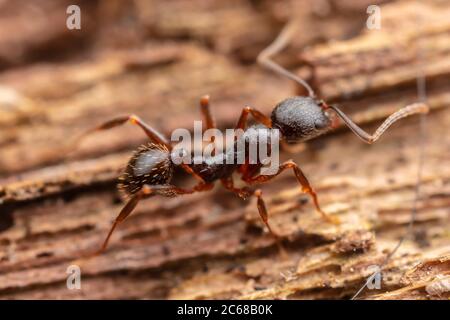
(57, 204)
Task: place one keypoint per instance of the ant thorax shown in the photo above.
(257, 144)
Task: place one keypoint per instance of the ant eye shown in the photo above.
(320, 124)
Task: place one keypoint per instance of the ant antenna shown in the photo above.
(400, 114)
(264, 58)
(422, 97)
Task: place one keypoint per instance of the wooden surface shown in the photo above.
(156, 59)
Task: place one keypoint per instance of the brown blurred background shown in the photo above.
(156, 59)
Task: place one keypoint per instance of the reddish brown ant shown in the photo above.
(298, 119)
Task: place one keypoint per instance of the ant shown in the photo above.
(298, 119)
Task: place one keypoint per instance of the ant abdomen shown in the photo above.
(300, 119)
(151, 164)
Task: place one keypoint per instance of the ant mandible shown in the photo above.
(297, 118)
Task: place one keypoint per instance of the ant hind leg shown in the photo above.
(144, 192)
(151, 133)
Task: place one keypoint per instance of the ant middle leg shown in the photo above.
(151, 133)
(244, 193)
(247, 171)
(262, 209)
(301, 178)
(263, 213)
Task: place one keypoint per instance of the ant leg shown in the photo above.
(260, 117)
(262, 209)
(153, 134)
(206, 112)
(124, 213)
(306, 187)
(228, 183)
(189, 170)
(400, 114)
(146, 191)
(264, 58)
(245, 193)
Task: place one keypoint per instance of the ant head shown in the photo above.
(301, 118)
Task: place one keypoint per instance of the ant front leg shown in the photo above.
(259, 116)
(306, 187)
(151, 133)
(145, 192)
